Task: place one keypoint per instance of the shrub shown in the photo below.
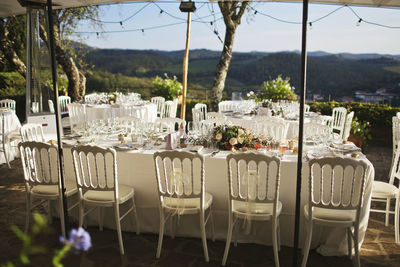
(167, 87)
(278, 89)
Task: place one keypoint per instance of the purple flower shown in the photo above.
(78, 239)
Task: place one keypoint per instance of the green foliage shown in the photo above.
(167, 87)
(361, 130)
(11, 84)
(277, 89)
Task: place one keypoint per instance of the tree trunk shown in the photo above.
(8, 52)
(222, 69)
(76, 79)
(232, 14)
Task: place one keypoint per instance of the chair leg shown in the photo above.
(349, 242)
(275, 224)
(5, 152)
(387, 212)
(118, 224)
(279, 236)
(81, 209)
(203, 235)
(228, 241)
(236, 229)
(160, 233)
(356, 254)
(172, 225)
(396, 221)
(307, 245)
(28, 212)
(62, 219)
(212, 225)
(100, 214)
(49, 216)
(136, 219)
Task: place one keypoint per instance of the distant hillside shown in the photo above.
(335, 74)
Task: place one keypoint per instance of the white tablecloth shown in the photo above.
(146, 112)
(137, 169)
(12, 124)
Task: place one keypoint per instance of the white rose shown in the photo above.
(240, 139)
(233, 141)
(218, 136)
(240, 132)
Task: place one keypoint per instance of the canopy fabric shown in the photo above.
(13, 7)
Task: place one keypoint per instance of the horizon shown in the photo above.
(161, 26)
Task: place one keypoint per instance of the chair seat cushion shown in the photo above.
(255, 208)
(124, 193)
(331, 214)
(384, 190)
(52, 190)
(192, 203)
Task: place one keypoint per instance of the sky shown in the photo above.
(335, 33)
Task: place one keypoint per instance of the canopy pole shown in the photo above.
(185, 68)
(301, 126)
(57, 112)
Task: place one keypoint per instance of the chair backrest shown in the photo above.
(347, 125)
(95, 168)
(214, 115)
(225, 106)
(159, 101)
(168, 110)
(396, 133)
(40, 163)
(91, 98)
(253, 178)
(197, 115)
(64, 101)
(129, 123)
(306, 108)
(51, 106)
(203, 108)
(32, 132)
(395, 168)
(180, 174)
(8, 103)
(339, 118)
(337, 183)
(276, 130)
(77, 114)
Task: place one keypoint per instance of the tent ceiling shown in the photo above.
(13, 7)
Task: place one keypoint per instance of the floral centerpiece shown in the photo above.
(234, 138)
(167, 87)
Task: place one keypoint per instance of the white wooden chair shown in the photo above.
(338, 121)
(347, 125)
(276, 130)
(7, 138)
(169, 109)
(91, 98)
(32, 132)
(170, 124)
(225, 106)
(306, 108)
(98, 187)
(339, 185)
(253, 194)
(214, 115)
(203, 108)
(196, 115)
(395, 135)
(42, 181)
(64, 101)
(159, 101)
(8, 103)
(386, 191)
(77, 115)
(181, 190)
(51, 106)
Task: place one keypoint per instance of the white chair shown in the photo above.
(7, 137)
(339, 185)
(168, 110)
(339, 119)
(306, 108)
(32, 132)
(253, 194)
(203, 108)
(181, 190)
(91, 98)
(159, 101)
(385, 192)
(8, 103)
(129, 123)
(276, 130)
(98, 187)
(196, 115)
(42, 181)
(77, 115)
(225, 106)
(51, 106)
(347, 125)
(64, 101)
(395, 135)
(214, 115)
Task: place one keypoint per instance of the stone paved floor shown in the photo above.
(378, 249)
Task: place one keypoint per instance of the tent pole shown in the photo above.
(185, 67)
(301, 126)
(57, 111)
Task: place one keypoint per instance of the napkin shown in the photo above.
(172, 141)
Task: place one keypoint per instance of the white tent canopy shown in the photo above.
(13, 7)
